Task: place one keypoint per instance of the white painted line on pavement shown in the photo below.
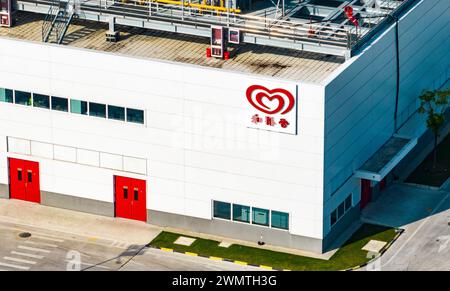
(27, 255)
(48, 238)
(33, 249)
(39, 243)
(20, 260)
(14, 266)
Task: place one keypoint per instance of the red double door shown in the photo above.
(24, 180)
(366, 193)
(130, 198)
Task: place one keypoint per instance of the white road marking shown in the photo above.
(48, 238)
(19, 260)
(39, 243)
(14, 266)
(27, 255)
(33, 249)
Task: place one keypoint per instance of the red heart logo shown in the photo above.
(256, 95)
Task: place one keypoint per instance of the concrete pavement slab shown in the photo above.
(93, 226)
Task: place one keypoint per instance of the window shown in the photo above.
(348, 202)
(125, 192)
(222, 210)
(341, 210)
(241, 213)
(6, 95)
(30, 176)
(78, 107)
(135, 115)
(136, 194)
(115, 112)
(60, 104)
(41, 101)
(260, 216)
(19, 174)
(333, 218)
(23, 98)
(280, 220)
(97, 109)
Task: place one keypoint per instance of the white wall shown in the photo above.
(195, 139)
(360, 96)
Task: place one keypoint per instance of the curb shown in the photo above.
(241, 263)
(445, 185)
(399, 231)
(422, 186)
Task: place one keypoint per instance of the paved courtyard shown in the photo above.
(424, 214)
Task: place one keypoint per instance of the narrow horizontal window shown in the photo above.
(23, 98)
(41, 101)
(6, 95)
(60, 104)
(260, 216)
(135, 115)
(280, 220)
(222, 210)
(241, 213)
(78, 107)
(97, 109)
(116, 113)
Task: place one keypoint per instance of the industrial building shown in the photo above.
(270, 121)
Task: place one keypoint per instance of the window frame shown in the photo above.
(351, 203)
(81, 102)
(30, 99)
(109, 106)
(8, 91)
(241, 221)
(96, 103)
(268, 216)
(55, 98)
(42, 95)
(230, 209)
(135, 109)
(279, 212)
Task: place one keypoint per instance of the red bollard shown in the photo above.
(208, 52)
(226, 55)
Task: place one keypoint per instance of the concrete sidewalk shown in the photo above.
(109, 228)
(78, 223)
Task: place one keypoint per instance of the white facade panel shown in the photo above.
(195, 142)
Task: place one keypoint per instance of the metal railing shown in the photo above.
(295, 31)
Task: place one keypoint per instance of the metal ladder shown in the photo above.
(57, 21)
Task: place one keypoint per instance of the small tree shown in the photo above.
(434, 104)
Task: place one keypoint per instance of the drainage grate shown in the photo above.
(24, 234)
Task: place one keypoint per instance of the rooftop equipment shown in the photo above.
(332, 27)
(5, 13)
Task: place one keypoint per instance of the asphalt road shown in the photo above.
(50, 250)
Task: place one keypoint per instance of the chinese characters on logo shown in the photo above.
(274, 109)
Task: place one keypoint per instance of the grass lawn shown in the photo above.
(347, 256)
(423, 174)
